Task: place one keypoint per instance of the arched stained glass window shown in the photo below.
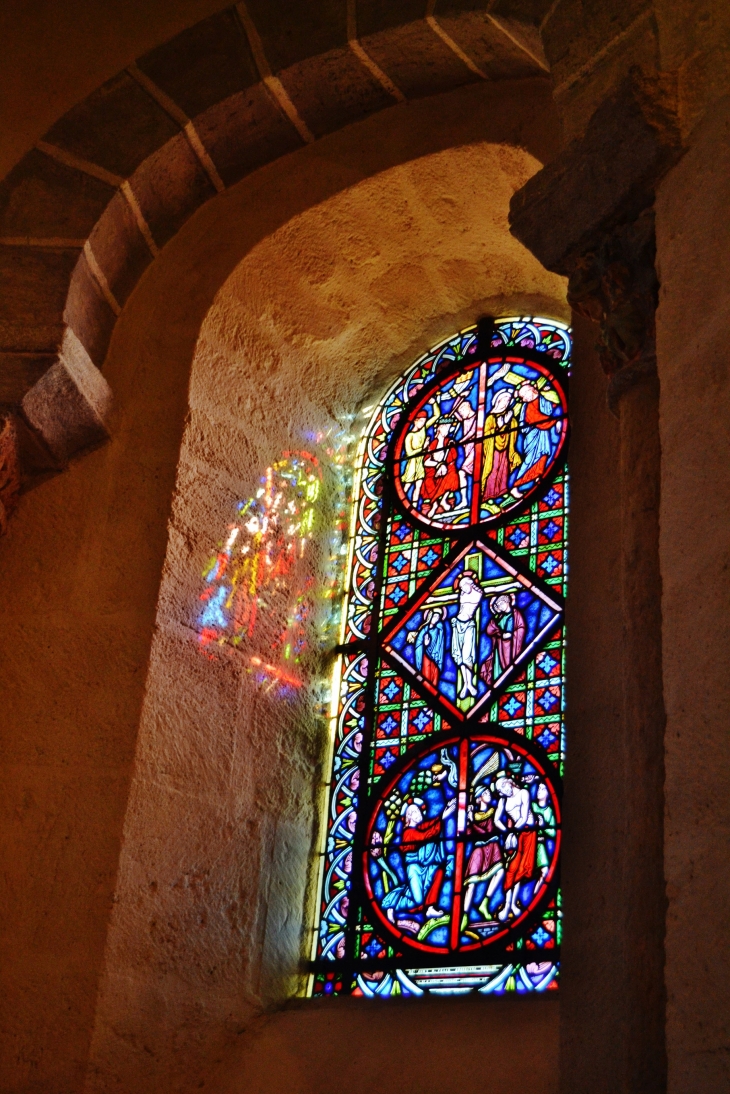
(439, 864)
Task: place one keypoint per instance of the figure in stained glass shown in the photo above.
(441, 482)
(464, 633)
(500, 447)
(515, 817)
(486, 862)
(507, 629)
(540, 432)
(463, 409)
(414, 471)
(546, 831)
(430, 644)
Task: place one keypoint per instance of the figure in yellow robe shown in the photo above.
(500, 447)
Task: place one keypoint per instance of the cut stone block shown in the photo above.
(70, 406)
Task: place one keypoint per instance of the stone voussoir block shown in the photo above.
(203, 65)
(42, 198)
(417, 60)
(34, 284)
(116, 127)
(332, 90)
(70, 406)
(244, 132)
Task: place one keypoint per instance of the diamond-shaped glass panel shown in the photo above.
(472, 628)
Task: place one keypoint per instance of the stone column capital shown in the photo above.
(588, 215)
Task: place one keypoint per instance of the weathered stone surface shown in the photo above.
(88, 312)
(116, 127)
(9, 471)
(333, 90)
(70, 406)
(280, 1054)
(42, 198)
(204, 65)
(374, 16)
(576, 31)
(490, 48)
(37, 462)
(605, 178)
(292, 30)
(33, 286)
(120, 248)
(616, 286)
(581, 93)
(693, 334)
(417, 60)
(169, 186)
(245, 132)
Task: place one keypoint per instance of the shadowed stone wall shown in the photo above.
(693, 329)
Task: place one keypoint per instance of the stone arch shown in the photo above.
(85, 212)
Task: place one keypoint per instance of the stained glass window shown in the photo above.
(440, 849)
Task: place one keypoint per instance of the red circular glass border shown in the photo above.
(427, 393)
(438, 741)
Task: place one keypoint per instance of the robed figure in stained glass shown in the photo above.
(485, 862)
(507, 629)
(500, 446)
(540, 432)
(441, 482)
(430, 643)
(425, 861)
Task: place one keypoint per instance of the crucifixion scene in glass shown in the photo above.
(440, 847)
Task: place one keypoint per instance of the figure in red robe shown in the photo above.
(442, 477)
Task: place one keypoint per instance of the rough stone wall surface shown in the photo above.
(694, 42)
(80, 578)
(693, 328)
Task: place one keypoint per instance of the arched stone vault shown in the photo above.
(86, 211)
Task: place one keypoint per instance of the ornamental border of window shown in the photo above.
(400, 564)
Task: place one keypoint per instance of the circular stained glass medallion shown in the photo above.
(478, 443)
(462, 845)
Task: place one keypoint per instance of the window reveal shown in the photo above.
(439, 869)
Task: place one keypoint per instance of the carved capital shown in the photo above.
(589, 216)
(615, 285)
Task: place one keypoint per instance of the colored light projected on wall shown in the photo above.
(440, 848)
(261, 588)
